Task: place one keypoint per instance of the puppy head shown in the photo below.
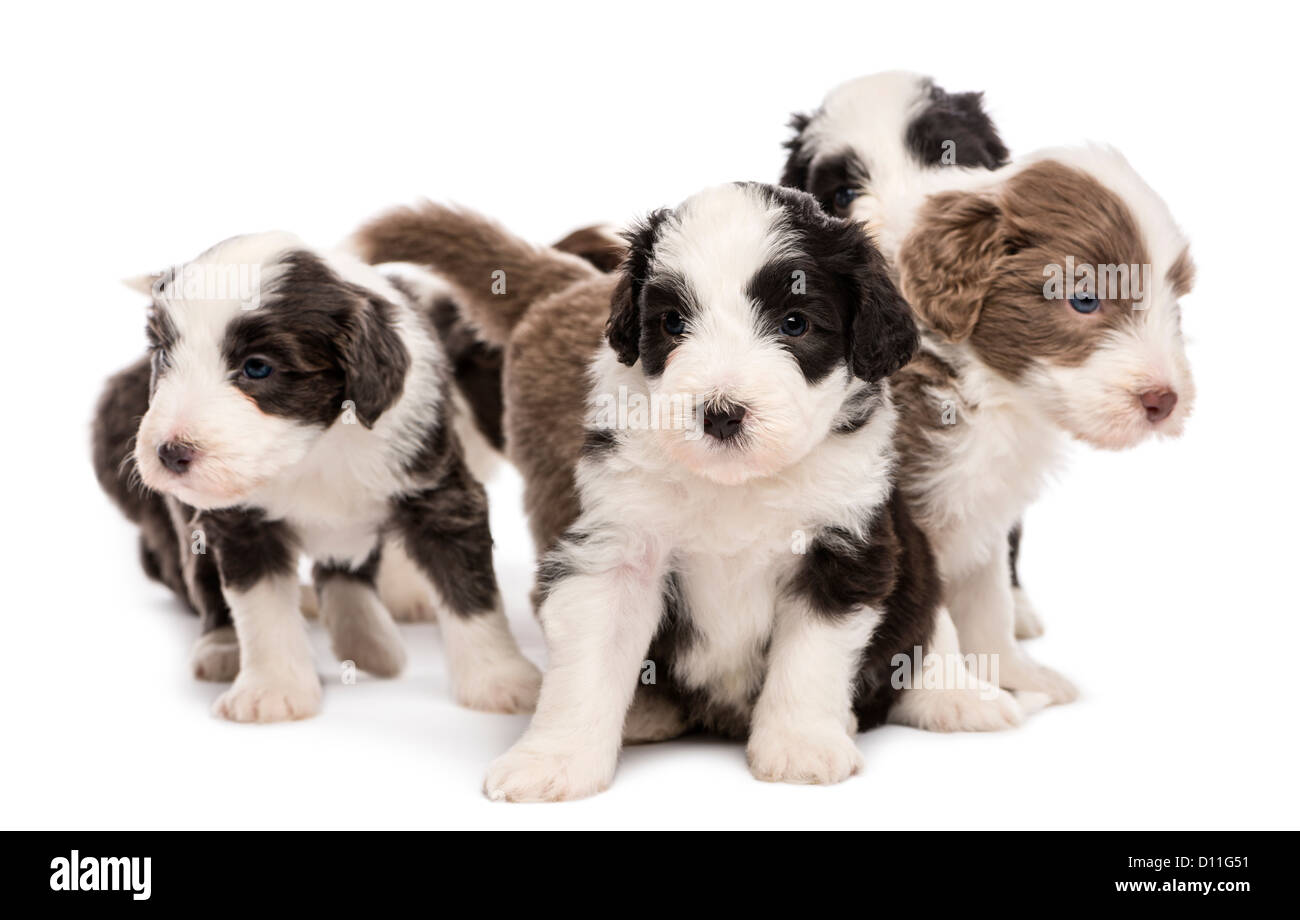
(886, 125)
(761, 313)
(1064, 276)
(258, 347)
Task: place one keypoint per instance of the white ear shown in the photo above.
(144, 284)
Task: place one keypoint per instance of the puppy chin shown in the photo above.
(198, 488)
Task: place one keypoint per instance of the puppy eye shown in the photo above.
(256, 369)
(1085, 303)
(673, 323)
(794, 325)
(844, 197)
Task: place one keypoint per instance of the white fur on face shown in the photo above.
(721, 239)
(238, 447)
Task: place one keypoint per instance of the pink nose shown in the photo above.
(1158, 403)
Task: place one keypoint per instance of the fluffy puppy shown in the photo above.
(734, 556)
(1049, 293)
(298, 403)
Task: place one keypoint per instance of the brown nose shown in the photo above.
(176, 456)
(1158, 403)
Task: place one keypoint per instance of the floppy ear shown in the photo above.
(795, 174)
(374, 360)
(624, 326)
(954, 130)
(947, 261)
(883, 335)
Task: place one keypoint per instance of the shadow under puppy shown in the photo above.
(1010, 360)
(307, 411)
(742, 531)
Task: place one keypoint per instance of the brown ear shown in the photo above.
(947, 261)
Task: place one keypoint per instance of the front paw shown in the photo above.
(1030, 676)
(215, 655)
(984, 708)
(535, 773)
(255, 698)
(508, 684)
(796, 754)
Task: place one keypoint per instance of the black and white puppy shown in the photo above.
(298, 403)
(759, 565)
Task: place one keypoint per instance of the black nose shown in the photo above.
(176, 456)
(723, 422)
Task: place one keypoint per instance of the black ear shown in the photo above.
(795, 174)
(954, 130)
(375, 360)
(883, 336)
(624, 327)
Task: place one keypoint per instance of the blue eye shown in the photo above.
(1085, 303)
(844, 197)
(673, 322)
(256, 369)
(794, 325)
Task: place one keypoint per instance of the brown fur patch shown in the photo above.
(598, 245)
(1182, 274)
(974, 265)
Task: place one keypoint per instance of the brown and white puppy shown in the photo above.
(1049, 291)
(299, 403)
(748, 302)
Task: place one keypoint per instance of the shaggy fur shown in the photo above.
(1008, 365)
(770, 573)
(306, 414)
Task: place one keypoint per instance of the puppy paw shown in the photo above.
(361, 630)
(529, 773)
(798, 754)
(1028, 623)
(255, 698)
(508, 684)
(215, 655)
(652, 718)
(975, 709)
(1034, 678)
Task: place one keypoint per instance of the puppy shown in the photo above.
(725, 544)
(1049, 294)
(298, 403)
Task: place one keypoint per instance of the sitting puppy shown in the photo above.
(1048, 291)
(306, 410)
(735, 519)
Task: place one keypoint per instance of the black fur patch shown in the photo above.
(624, 329)
(894, 572)
(599, 442)
(445, 530)
(328, 342)
(248, 546)
(1013, 546)
(955, 122)
(858, 409)
(364, 573)
(476, 369)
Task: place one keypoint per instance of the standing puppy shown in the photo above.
(1048, 290)
(737, 521)
(298, 403)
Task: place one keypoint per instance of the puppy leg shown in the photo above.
(983, 610)
(256, 560)
(1028, 625)
(968, 704)
(445, 531)
(599, 615)
(803, 725)
(215, 656)
(402, 586)
(361, 629)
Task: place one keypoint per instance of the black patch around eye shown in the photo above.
(665, 302)
(836, 180)
(798, 287)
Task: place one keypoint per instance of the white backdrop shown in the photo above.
(137, 137)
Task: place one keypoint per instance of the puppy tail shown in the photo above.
(496, 274)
